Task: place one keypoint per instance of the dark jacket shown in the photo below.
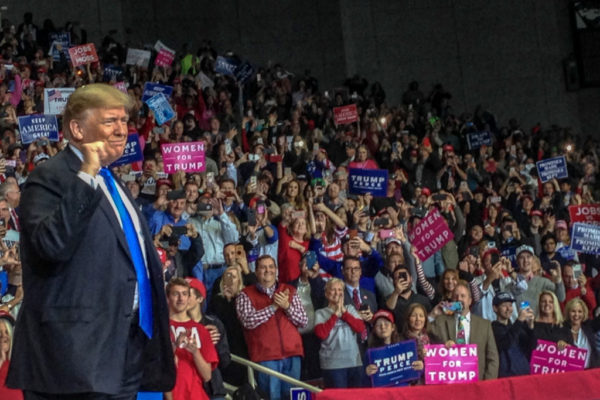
(513, 346)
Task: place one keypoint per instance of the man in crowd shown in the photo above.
(404, 295)
(271, 314)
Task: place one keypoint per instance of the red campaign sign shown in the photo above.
(186, 156)
(164, 58)
(430, 235)
(345, 114)
(83, 54)
(586, 213)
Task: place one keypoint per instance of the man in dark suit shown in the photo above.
(362, 299)
(94, 320)
(403, 296)
(465, 327)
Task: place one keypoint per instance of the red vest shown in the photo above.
(276, 339)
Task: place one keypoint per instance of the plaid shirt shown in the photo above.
(250, 317)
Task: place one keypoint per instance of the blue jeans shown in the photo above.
(342, 377)
(275, 388)
(210, 276)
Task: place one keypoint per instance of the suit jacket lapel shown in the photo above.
(451, 321)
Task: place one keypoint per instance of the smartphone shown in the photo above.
(381, 221)
(210, 179)
(299, 214)
(363, 307)
(258, 77)
(524, 304)
(260, 208)
(386, 233)
(253, 180)
(158, 129)
(467, 196)
(438, 197)
(276, 158)
(2, 222)
(251, 214)
(450, 308)
(253, 157)
(403, 276)
(228, 149)
(352, 233)
(577, 271)
(311, 259)
(495, 258)
(287, 171)
(495, 199)
(11, 163)
(179, 230)
(474, 251)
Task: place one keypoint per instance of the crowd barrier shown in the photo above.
(582, 385)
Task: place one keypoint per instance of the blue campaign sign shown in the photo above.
(511, 254)
(477, 139)
(112, 73)
(244, 72)
(226, 66)
(372, 181)
(394, 363)
(3, 282)
(552, 168)
(152, 89)
(300, 394)
(585, 238)
(62, 38)
(163, 112)
(132, 153)
(37, 126)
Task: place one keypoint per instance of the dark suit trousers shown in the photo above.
(132, 376)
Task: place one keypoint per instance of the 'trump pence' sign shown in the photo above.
(548, 359)
(394, 363)
(372, 181)
(186, 156)
(83, 54)
(457, 364)
(133, 151)
(430, 235)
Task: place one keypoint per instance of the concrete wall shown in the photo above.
(505, 54)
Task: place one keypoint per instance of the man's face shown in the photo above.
(191, 192)
(568, 277)
(4, 212)
(106, 125)
(393, 261)
(266, 273)
(178, 298)
(227, 187)
(229, 255)
(193, 300)
(504, 310)
(393, 248)
(463, 295)
(149, 167)
(176, 207)
(525, 261)
(13, 195)
(352, 272)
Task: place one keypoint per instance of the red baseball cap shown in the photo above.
(383, 314)
(196, 284)
(425, 191)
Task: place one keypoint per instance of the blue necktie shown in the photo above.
(145, 294)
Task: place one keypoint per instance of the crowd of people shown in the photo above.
(268, 255)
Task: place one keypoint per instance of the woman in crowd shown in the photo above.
(363, 161)
(6, 336)
(338, 325)
(583, 330)
(293, 244)
(385, 333)
(448, 282)
(223, 306)
(291, 193)
(549, 322)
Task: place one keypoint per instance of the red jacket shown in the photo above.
(588, 299)
(276, 339)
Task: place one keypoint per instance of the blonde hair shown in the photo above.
(96, 95)
(558, 315)
(572, 303)
(240, 286)
(9, 328)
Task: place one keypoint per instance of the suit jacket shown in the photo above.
(444, 329)
(79, 281)
(366, 297)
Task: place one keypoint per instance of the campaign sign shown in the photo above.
(430, 235)
(511, 254)
(548, 359)
(185, 156)
(345, 114)
(83, 54)
(132, 153)
(394, 363)
(37, 126)
(372, 181)
(587, 213)
(55, 100)
(226, 66)
(121, 86)
(244, 72)
(152, 89)
(138, 57)
(59, 38)
(552, 168)
(477, 139)
(585, 238)
(159, 104)
(457, 364)
(300, 394)
(164, 58)
(111, 73)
